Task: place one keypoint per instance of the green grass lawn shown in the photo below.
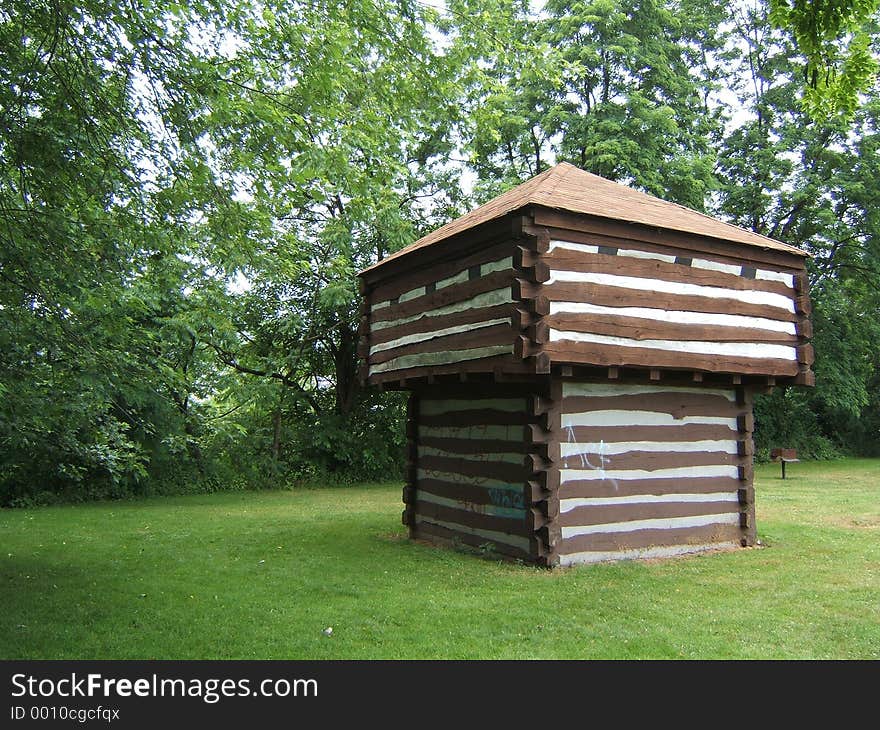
(261, 574)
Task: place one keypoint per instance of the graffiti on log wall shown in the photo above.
(650, 470)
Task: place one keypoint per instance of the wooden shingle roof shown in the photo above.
(568, 188)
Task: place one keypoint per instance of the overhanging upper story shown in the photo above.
(570, 272)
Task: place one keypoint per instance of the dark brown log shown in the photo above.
(363, 326)
(745, 447)
(687, 243)
(548, 479)
(675, 403)
(440, 535)
(538, 405)
(648, 461)
(636, 328)
(804, 328)
(536, 491)
(534, 464)
(745, 423)
(746, 495)
(538, 273)
(548, 451)
(534, 237)
(479, 386)
(536, 433)
(419, 274)
(429, 324)
(523, 347)
(608, 514)
(473, 493)
(536, 519)
(618, 541)
(806, 354)
(524, 257)
(411, 471)
(550, 507)
(522, 289)
(562, 260)
(498, 334)
(807, 378)
(469, 518)
(550, 534)
(521, 318)
(473, 468)
(683, 257)
(476, 417)
(603, 355)
(470, 446)
(500, 363)
(444, 296)
(632, 487)
(540, 305)
(628, 434)
(612, 296)
(539, 333)
(540, 364)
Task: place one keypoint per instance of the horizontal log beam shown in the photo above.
(605, 355)
(615, 296)
(598, 263)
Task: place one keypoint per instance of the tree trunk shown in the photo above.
(276, 426)
(345, 363)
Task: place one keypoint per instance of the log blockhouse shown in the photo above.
(581, 360)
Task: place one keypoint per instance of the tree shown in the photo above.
(98, 364)
(329, 124)
(608, 85)
(835, 38)
(814, 186)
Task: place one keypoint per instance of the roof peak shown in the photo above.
(567, 187)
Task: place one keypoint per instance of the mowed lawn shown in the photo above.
(262, 574)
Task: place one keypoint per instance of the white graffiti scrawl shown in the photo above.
(602, 456)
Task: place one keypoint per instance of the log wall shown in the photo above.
(653, 471)
(468, 478)
(545, 288)
(452, 313)
(623, 303)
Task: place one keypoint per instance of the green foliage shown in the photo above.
(312, 447)
(835, 38)
(611, 86)
(814, 186)
(187, 192)
(97, 361)
(785, 419)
